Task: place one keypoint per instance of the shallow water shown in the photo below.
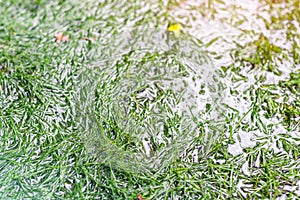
(207, 56)
(153, 99)
(208, 111)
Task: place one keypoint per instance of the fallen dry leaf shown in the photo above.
(60, 37)
(140, 197)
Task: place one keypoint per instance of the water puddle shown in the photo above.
(159, 96)
(149, 102)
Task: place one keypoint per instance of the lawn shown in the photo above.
(149, 99)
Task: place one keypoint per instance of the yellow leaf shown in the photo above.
(175, 27)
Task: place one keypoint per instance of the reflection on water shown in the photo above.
(153, 99)
(227, 27)
(157, 78)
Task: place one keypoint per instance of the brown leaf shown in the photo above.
(60, 37)
(140, 197)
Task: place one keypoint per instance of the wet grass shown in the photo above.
(43, 151)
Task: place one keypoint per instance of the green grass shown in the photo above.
(72, 114)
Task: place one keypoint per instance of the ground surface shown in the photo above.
(58, 143)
